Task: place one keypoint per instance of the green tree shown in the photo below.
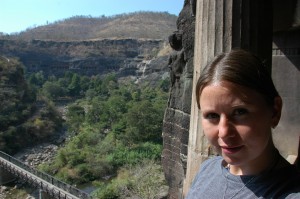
(95, 111)
(74, 87)
(16, 96)
(18, 126)
(84, 83)
(75, 118)
(116, 108)
(37, 79)
(144, 123)
(53, 90)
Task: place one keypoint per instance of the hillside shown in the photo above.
(116, 68)
(135, 58)
(21, 123)
(127, 44)
(138, 25)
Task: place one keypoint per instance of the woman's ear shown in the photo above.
(276, 111)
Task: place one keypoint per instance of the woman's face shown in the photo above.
(237, 121)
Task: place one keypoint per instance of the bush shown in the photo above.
(123, 155)
(145, 180)
(110, 191)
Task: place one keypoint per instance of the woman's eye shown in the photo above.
(240, 111)
(211, 116)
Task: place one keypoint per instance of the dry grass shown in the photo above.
(138, 25)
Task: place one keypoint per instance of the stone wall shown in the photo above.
(177, 116)
(286, 76)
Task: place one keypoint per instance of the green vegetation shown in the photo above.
(111, 127)
(144, 180)
(114, 129)
(21, 123)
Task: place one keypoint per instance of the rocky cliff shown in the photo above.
(126, 57)
(177, 117)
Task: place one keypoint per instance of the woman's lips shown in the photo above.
(231, 150)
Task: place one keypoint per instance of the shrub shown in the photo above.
(144, 180)
(108, 191)
(123, 155)
(147, 180)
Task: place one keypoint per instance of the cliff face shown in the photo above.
(177, 117)
(124, 56)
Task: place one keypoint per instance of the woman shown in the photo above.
(239, 106)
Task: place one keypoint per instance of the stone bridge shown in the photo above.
(51, 187)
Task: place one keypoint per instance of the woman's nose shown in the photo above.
(225, 129)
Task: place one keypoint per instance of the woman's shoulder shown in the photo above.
(213, 160)
(211, 163)
(286, 171)
(284, 181)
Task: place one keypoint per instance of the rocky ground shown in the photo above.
(37, 155)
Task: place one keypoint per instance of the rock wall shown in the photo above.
(84, 57)
(286, 76)
(177, 116)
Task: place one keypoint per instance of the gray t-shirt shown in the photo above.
(215, 181)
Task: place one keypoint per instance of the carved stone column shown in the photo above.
(222, 25)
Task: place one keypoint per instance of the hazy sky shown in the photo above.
(17, 15)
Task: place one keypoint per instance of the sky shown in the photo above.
(18, 15)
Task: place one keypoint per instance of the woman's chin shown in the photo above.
(231, 160)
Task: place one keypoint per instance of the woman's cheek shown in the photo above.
(210, 132)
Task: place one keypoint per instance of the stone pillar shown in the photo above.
(222, 25)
